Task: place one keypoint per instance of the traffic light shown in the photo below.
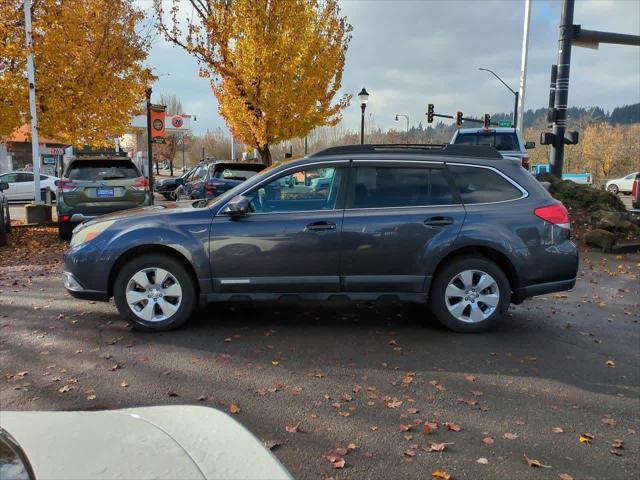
(459, 118)
(487, 120)
(430, 112)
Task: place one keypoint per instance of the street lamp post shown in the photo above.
(149, 145)
(516, 94)
(363, 96)
(406, 116)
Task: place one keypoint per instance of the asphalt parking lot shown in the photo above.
(311, 378)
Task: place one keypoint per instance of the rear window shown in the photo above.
(502, 141)
(482, 185)
(102, 170)
(377, 187)
(234, 174)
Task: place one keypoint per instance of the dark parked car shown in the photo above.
(5, 219)
(167, 186)
(218, 177)
(94, 186)
(447, 225)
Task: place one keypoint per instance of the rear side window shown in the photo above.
(482, 185)
(102, 170)
(377, 187)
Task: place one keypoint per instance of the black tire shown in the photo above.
(613, 188)
(438, 300)
(65, 230)
(184, 278)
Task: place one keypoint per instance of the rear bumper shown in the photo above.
(541, 288)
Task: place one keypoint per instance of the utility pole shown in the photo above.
(35, 144)
(149, 145)
(523, 66)
(571, 34)
(233, 147)
(556, 157)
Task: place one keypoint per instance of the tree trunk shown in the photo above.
(265, 155)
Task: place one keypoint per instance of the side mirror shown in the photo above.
(4, 186)
(237, 207)
(529, 145)
(179, 181)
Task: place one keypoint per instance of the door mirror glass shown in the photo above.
(238, 206)
(529, 145)
(4, 186)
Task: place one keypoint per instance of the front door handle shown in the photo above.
(438, 221)
(320, 226)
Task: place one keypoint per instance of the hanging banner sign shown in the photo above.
(158, 117)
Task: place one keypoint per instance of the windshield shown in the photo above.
(501, 141)
(102, 170)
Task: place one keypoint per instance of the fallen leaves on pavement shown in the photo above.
(535, 463)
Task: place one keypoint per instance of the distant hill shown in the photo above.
(624, 115)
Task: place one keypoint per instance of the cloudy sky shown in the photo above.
(410, 53)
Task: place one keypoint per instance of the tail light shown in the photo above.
(141, 184)
(525, 162)
(66, 185)
(554, 214)
(634, 190)
(65, 218)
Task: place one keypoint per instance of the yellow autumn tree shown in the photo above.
(601, 144)
(275, 65)
(88, 56)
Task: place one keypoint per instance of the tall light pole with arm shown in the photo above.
(517, 95)
(406, 117)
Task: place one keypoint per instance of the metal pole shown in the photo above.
(515, 111)
(363, 106)
(552, 94)
(556, 156)
(35, 146)
(183, 152)
(233, 148)
(407, 117)
(523, 65)
(149, 146)
(305, 146)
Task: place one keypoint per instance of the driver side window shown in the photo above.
(301, 191)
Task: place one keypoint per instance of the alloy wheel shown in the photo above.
(153, 294)
(472, 296)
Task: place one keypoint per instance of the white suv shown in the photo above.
(507, 141)
(622, 185)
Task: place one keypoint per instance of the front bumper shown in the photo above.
(77, 290)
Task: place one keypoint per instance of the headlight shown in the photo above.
(89, 233)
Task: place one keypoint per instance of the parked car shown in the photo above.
(184, 187)
(507, 141)
(621, 185)
(5, 218)
(93, 187)
(167, 186)
(635, 193)
(218, 177)
(581, 178)
(22, 185)
(167, 442)
(448, 225)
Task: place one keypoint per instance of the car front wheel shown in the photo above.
(155, 293)
(470, 294)
(613, 188)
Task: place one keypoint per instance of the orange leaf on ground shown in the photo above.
(557, 430)
(586, 438)
(565, 476)
(439, 473)
(487, 441)
(510, 436)
(292, 428)
(535, 463)
(453, 426)
(233, 408)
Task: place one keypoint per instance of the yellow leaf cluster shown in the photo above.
(88, 57)
(275, 65)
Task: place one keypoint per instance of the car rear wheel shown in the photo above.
(155, 293)
(613, 188)
(470, 294)
(65, 230)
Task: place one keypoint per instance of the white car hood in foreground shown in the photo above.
(172, 442)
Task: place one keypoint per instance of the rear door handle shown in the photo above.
(320, 226)
(438, 221)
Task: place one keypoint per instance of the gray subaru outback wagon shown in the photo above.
(458, 227)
